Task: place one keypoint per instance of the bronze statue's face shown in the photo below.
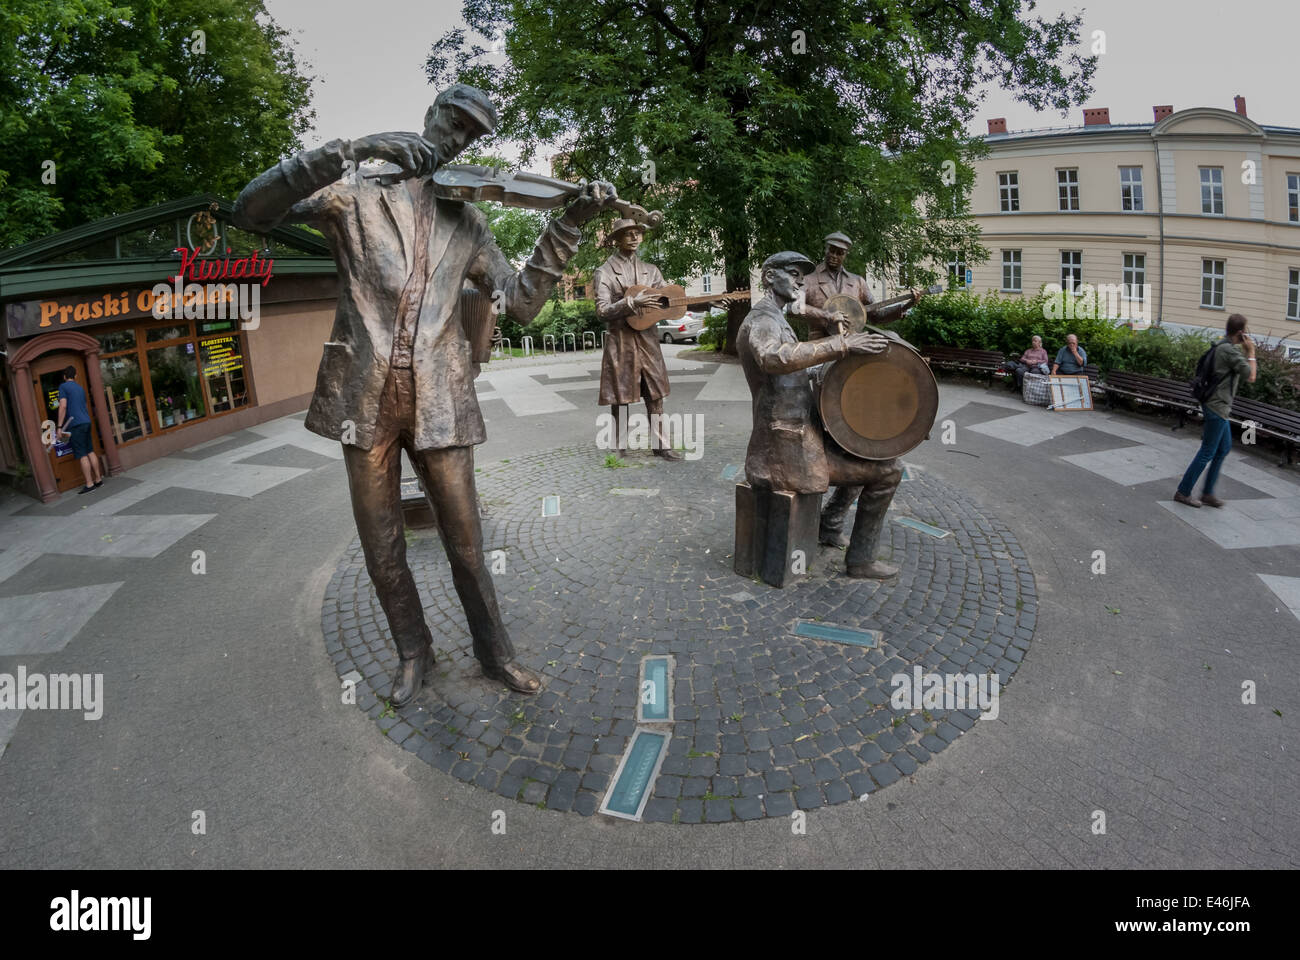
(784, 282)
(451, 132)
(628, 240)
(835, 256)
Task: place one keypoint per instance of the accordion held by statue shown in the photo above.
(479, 323)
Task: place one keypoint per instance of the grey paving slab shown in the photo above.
(287, 455)
(45, 622)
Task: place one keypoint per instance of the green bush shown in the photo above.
(715, 330)
(559, 317)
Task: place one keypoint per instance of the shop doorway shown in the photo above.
(47, 375)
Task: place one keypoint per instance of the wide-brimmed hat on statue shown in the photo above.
(618, 226)
(789, 258)
(837, 239)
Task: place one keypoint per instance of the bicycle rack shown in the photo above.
(502, 349)
(568, 337)
(526, 345)
(592, 335)
(548, 338)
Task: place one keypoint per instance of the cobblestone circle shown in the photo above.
(765, 722)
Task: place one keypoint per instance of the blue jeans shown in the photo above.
(1216, 441)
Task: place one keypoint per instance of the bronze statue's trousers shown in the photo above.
(374, 477)
(872, 484)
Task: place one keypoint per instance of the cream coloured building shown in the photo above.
(1202, 206)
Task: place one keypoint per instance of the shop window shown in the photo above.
(223, 371)
(174, 377)
(116, 340)
(171, 332)
(124, 393)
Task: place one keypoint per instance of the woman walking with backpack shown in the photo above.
(1218, 374)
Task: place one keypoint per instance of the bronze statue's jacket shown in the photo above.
(786, 448)
(629, 354)
(371, 230)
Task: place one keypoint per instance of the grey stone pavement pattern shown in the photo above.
(221, 696)
(764, 722)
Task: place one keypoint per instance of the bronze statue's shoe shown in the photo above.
(667, 454)
(410, 677)
(875, 570)
(833, 538)
(516, 677)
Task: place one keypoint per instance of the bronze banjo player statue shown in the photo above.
(397, 372)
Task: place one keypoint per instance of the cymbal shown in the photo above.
(851, 307)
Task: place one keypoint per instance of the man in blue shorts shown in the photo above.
(74, 421)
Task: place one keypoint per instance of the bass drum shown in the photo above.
(878, 406)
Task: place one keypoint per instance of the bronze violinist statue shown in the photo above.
(397, 372)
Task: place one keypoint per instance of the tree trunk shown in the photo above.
(735, 259)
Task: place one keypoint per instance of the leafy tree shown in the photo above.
(762, 126)
(134, 108)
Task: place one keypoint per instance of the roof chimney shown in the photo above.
(1163, 111)
(1240, 103)
(998, 125)
(1095, 116)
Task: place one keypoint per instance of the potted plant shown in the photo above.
(166, 416)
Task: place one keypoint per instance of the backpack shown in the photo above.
(1204, 383)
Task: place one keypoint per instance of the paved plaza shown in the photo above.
(1122, 627)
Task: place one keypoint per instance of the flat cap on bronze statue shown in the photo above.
(789, 258)
(838, 239)
(472, 101)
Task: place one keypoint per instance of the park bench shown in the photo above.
(1277, 422)
(1173, 395)
(963, 360)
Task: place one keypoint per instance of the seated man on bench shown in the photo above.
(1070, 359)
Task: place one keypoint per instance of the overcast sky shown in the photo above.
(369, 59)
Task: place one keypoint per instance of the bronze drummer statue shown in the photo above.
(789, 449)
(397, 372)
(831, 280)
(632, 366)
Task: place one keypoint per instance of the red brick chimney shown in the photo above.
(998, 125)
(1096, 116)
(1163, 111)
(1240, 103)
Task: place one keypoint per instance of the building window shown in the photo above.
(1293, 296)
(1212, 191)
(160, 377)
(1011, 272)
(956, 271)
(706, 283)
(1009, 191)
(1212, 274)
(1135, 276)
(1293, 197)
(1071, 270)
(1067, 188)
(1130, 189)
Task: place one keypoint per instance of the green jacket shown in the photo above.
(1228, 359)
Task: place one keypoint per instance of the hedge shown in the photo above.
(1005, 324)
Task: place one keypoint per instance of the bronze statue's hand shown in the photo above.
(865, 342)
(415, 155)
(595, 195)
(645, 298)
(839, 322)
(918, 293)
